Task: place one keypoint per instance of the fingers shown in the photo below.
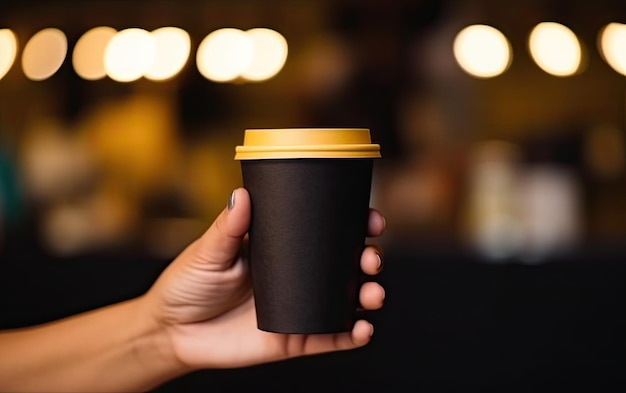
(376, 223)
(372, 260)
(371, 296)
(360, 335)
(220, 244)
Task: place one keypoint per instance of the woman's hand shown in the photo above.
(204, 306)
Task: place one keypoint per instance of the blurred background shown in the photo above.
(502, 129)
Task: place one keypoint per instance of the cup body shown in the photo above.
(308, 228)
(310, 205)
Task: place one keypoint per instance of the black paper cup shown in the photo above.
(310, 192)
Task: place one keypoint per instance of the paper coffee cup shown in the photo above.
(310, 191)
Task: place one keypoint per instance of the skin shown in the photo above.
(198, 314)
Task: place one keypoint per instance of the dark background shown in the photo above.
(450, 323)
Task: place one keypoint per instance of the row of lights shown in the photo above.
(484, 52)
(127, 55)
(259, 54)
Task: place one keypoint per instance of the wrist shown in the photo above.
(152, 346)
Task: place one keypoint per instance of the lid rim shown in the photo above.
(292, 143)
(250, 157)
(281, 148)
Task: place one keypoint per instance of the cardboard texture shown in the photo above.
(308, 229)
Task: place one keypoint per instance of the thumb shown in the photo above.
(219, 246)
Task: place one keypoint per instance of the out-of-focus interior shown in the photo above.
(502, 129)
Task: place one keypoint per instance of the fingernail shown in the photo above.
(384, 222)
(231, 201)
(371, 330)
(380, 261)
(384, 293)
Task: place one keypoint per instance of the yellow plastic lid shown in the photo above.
(307, 143)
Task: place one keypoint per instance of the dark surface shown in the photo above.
(450, 323)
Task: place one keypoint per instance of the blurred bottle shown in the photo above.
(550, 210)
(493, 217)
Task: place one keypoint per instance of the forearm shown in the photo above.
(115, 348)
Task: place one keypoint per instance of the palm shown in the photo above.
(231, 339)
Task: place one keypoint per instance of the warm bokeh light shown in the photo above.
(555, 49)
(612, 42)
(172, 51)
(269, 54)
(8, 51)
(88, 55)
(44, 54)
(224, 54)
(482, 51)
(129, 54)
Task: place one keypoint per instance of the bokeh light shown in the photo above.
(555, 49)
(224, 54)
(88, 55)
(129, 54)
(612, 46)
(269, 54)
(8, 51)
(482, 51)
(44, 54)
(172, 51)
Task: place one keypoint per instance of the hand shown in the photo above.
(203, 301)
